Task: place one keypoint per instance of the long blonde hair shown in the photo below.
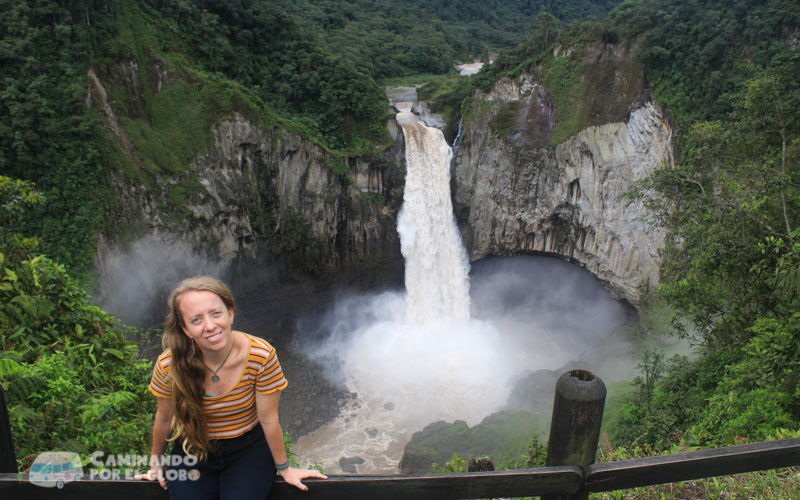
(187, 370)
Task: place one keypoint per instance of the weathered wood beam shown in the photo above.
(575, 424)
(17, 487)
(531, 482)
(563, 480)
(690, 465)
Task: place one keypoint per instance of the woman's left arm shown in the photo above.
(267, 408)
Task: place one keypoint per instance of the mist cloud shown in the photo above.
(528, 313)
(135, 283)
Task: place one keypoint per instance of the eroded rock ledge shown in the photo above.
(516, 194)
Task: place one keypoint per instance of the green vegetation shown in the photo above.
(503, 437)
(698, 53)
(264, 48)
(587, 83)
(504, 120)
(778, 483)
(731, 271)
(72, 379)
(46, 133)
(390, 39)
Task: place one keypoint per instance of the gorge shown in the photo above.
(267, 206)
(266, 195)
(417, 356)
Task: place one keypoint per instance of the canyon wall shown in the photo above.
(256, 194)
(516, 192)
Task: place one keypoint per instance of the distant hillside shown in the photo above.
(390, 38)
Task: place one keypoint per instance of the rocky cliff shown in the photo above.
(517, 192)
(255, 193)
(255, 185)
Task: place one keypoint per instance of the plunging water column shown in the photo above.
(437, 269)
(414, 357)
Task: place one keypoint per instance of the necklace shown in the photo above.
(214, 376)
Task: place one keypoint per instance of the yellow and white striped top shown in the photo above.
(231, 413)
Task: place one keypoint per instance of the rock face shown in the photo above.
(516, 194)
(259, 193)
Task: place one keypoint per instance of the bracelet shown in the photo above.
(283, 466)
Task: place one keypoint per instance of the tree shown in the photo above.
(16, 196)
(771, 108)
(548, 24)
(732, 268)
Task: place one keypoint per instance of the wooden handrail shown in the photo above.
(542, 481)
(607, 476)
(563, 480)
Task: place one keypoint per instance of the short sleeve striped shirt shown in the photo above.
(231, 413)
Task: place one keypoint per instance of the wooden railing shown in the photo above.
(555, 481)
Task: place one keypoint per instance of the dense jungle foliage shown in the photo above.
(72, 380)
(389, 39)
(727, 73)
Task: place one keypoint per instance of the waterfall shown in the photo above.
(437, 269)
(457, 140)
(416, 356)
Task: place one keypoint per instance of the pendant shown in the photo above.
(214, 378)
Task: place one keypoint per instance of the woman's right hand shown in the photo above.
(295, 476)
(155, 473)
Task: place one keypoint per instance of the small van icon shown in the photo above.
(54, 468)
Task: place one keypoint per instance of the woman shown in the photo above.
(217, 391)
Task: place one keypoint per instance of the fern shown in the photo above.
(10, 368)
(22, 387)
(22, 413)
(98, 407)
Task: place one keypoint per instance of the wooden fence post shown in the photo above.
(575, 425)
(8, 460)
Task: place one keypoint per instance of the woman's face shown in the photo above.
(206, 319)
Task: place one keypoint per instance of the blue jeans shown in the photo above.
(236, 468)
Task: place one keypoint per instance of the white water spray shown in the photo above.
(406, 357)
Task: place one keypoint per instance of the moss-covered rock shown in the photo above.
(502, 437)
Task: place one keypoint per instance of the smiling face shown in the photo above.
(206, 319)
